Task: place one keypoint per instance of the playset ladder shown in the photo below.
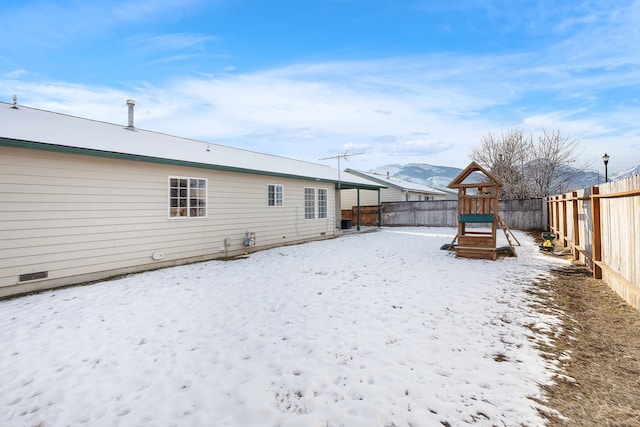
(507, 231)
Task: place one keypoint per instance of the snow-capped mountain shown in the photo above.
(441, 176)
(421, 173)
(626, 173)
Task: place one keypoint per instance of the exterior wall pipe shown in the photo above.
(358, 227)
(130, 103)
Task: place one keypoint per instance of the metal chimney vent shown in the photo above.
(131, 103)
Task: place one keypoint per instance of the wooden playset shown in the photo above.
(478, 205)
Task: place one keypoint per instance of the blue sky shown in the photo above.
(399, 81)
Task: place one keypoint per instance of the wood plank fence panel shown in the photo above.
(524, 214)
(585, 225)
(606, 236)
(527, 214)
(368, 215)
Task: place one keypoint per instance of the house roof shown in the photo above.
(27, 127)
(397, 183)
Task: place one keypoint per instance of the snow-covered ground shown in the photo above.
(374, 329)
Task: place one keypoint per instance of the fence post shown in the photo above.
(576, 228)
(549, 208)
(597, 238)
(553, 210)
(557, 218)
(565, 233)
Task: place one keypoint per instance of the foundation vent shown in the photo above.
(34, 276)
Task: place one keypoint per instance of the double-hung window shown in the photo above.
(274, 195)
(309, 203)
(187, 197)
(316, 203)
(322, 202)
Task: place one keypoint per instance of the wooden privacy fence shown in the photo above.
(368, 215)
(525, 214)
(601, 226)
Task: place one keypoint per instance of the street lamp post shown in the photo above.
(605, 159)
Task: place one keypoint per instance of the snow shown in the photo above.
(372, 329)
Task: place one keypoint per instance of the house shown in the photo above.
(396, 190)
(83, 200)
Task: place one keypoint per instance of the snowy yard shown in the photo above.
(375, 329)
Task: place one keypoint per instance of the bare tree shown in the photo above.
(528, 165)
(505, 156)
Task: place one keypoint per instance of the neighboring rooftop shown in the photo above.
(390, 181)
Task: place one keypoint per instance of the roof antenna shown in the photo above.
(345, 156)
(15, 102)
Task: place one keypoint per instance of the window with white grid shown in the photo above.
(275, 195)
(323, 202)
(187, 197)
(309, 203)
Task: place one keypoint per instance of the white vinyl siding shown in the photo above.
(275, 195)
(187, 197)
(83, 218)
(370, 198)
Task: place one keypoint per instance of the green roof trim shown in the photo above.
(30, 145)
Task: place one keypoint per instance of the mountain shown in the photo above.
(441, 176)
(626, 173)
(421, 173)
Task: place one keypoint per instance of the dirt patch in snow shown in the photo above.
(598, 349)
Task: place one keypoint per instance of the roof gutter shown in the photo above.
(30, 145)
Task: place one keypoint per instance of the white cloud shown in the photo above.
(176, 41)
(47, 24)
(15, 74)
(296, 134)
(426, 108)
(418, 144)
